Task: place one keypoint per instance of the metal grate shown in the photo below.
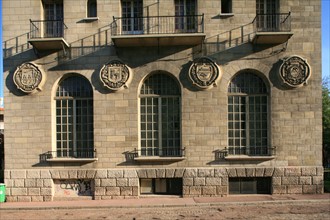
(160, 117)
(74, 117)
(247, 116)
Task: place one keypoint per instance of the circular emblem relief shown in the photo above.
(204, 73)
(28, 78)
(295, 71)
(115, 75)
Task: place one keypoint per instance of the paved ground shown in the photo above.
(293, 207)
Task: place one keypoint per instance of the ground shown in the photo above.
(272, 211)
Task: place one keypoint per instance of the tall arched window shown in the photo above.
(248, 115)
(74, 118)
(91, 8)
(160, 117)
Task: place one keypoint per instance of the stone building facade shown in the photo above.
(122, 99)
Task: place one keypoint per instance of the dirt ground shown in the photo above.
(294, 211)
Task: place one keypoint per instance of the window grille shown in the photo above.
(74, 118)
(160, 117)
(247, 116)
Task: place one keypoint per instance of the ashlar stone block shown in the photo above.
(130, 174)
(33, 174)
(112, 191)
(188, 181)
(17, 174)
(308, 171)
(190, 172)
(290, 180)
(213, 181)
(179, 172)
(199, 181)
(209, 190)
(169, 173)
(115, 173)
(108, 182)
(205, 172)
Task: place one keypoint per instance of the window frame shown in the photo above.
(91, 9)
(245, 124)
(226, 8)
(81, 117)
(157, 148)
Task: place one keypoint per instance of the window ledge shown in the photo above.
(70, 159)
(226, 14)
(246, 157)
(90, 19)
(155, 158)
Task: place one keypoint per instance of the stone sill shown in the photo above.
(157, 159)
(246, 157)
(226, 14)
(90, 19)
(71, 159)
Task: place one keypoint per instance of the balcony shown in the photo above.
(69, 156)
(48, 35)
(157, 154)
(246, 153)
(272, 28)
(158, 31)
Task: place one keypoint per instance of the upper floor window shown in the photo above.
(268, 17)
(160, 117)
(185, 15)
(91, 8)
(226, 7)
(74, 118)
(53, 18)
(248, 115)
(132, 16)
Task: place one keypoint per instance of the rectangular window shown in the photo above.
(169, 186)
(250, 185)
(185, 15)
(226, 7)
(132, 16)
(53, 18)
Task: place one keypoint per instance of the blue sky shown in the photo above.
(325, 42)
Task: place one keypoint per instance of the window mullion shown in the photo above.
(74, 129)
(247, 123)
(160, 131)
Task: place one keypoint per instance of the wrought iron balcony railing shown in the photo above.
(160, 152)
(251, 151)
(47, 29)
(272, 22)
(158, 25)
(79, 154)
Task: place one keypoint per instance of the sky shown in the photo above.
(325, 43)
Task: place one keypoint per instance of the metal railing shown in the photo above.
(47, 28)
(158, 25)
(160, 152)
(69, 154)
(272, 22)
(251, 151)
(16, 45)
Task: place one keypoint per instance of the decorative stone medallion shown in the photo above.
(115, 75)
(28, 77)
(295, 71)
(204, 73)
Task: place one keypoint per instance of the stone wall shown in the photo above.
(38, 185)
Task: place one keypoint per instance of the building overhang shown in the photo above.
(44, 44)
(158, 40)
(271, 37)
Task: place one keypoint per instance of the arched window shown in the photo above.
(74, 118)
(160, 117)
(91, 8)
(248, 115)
